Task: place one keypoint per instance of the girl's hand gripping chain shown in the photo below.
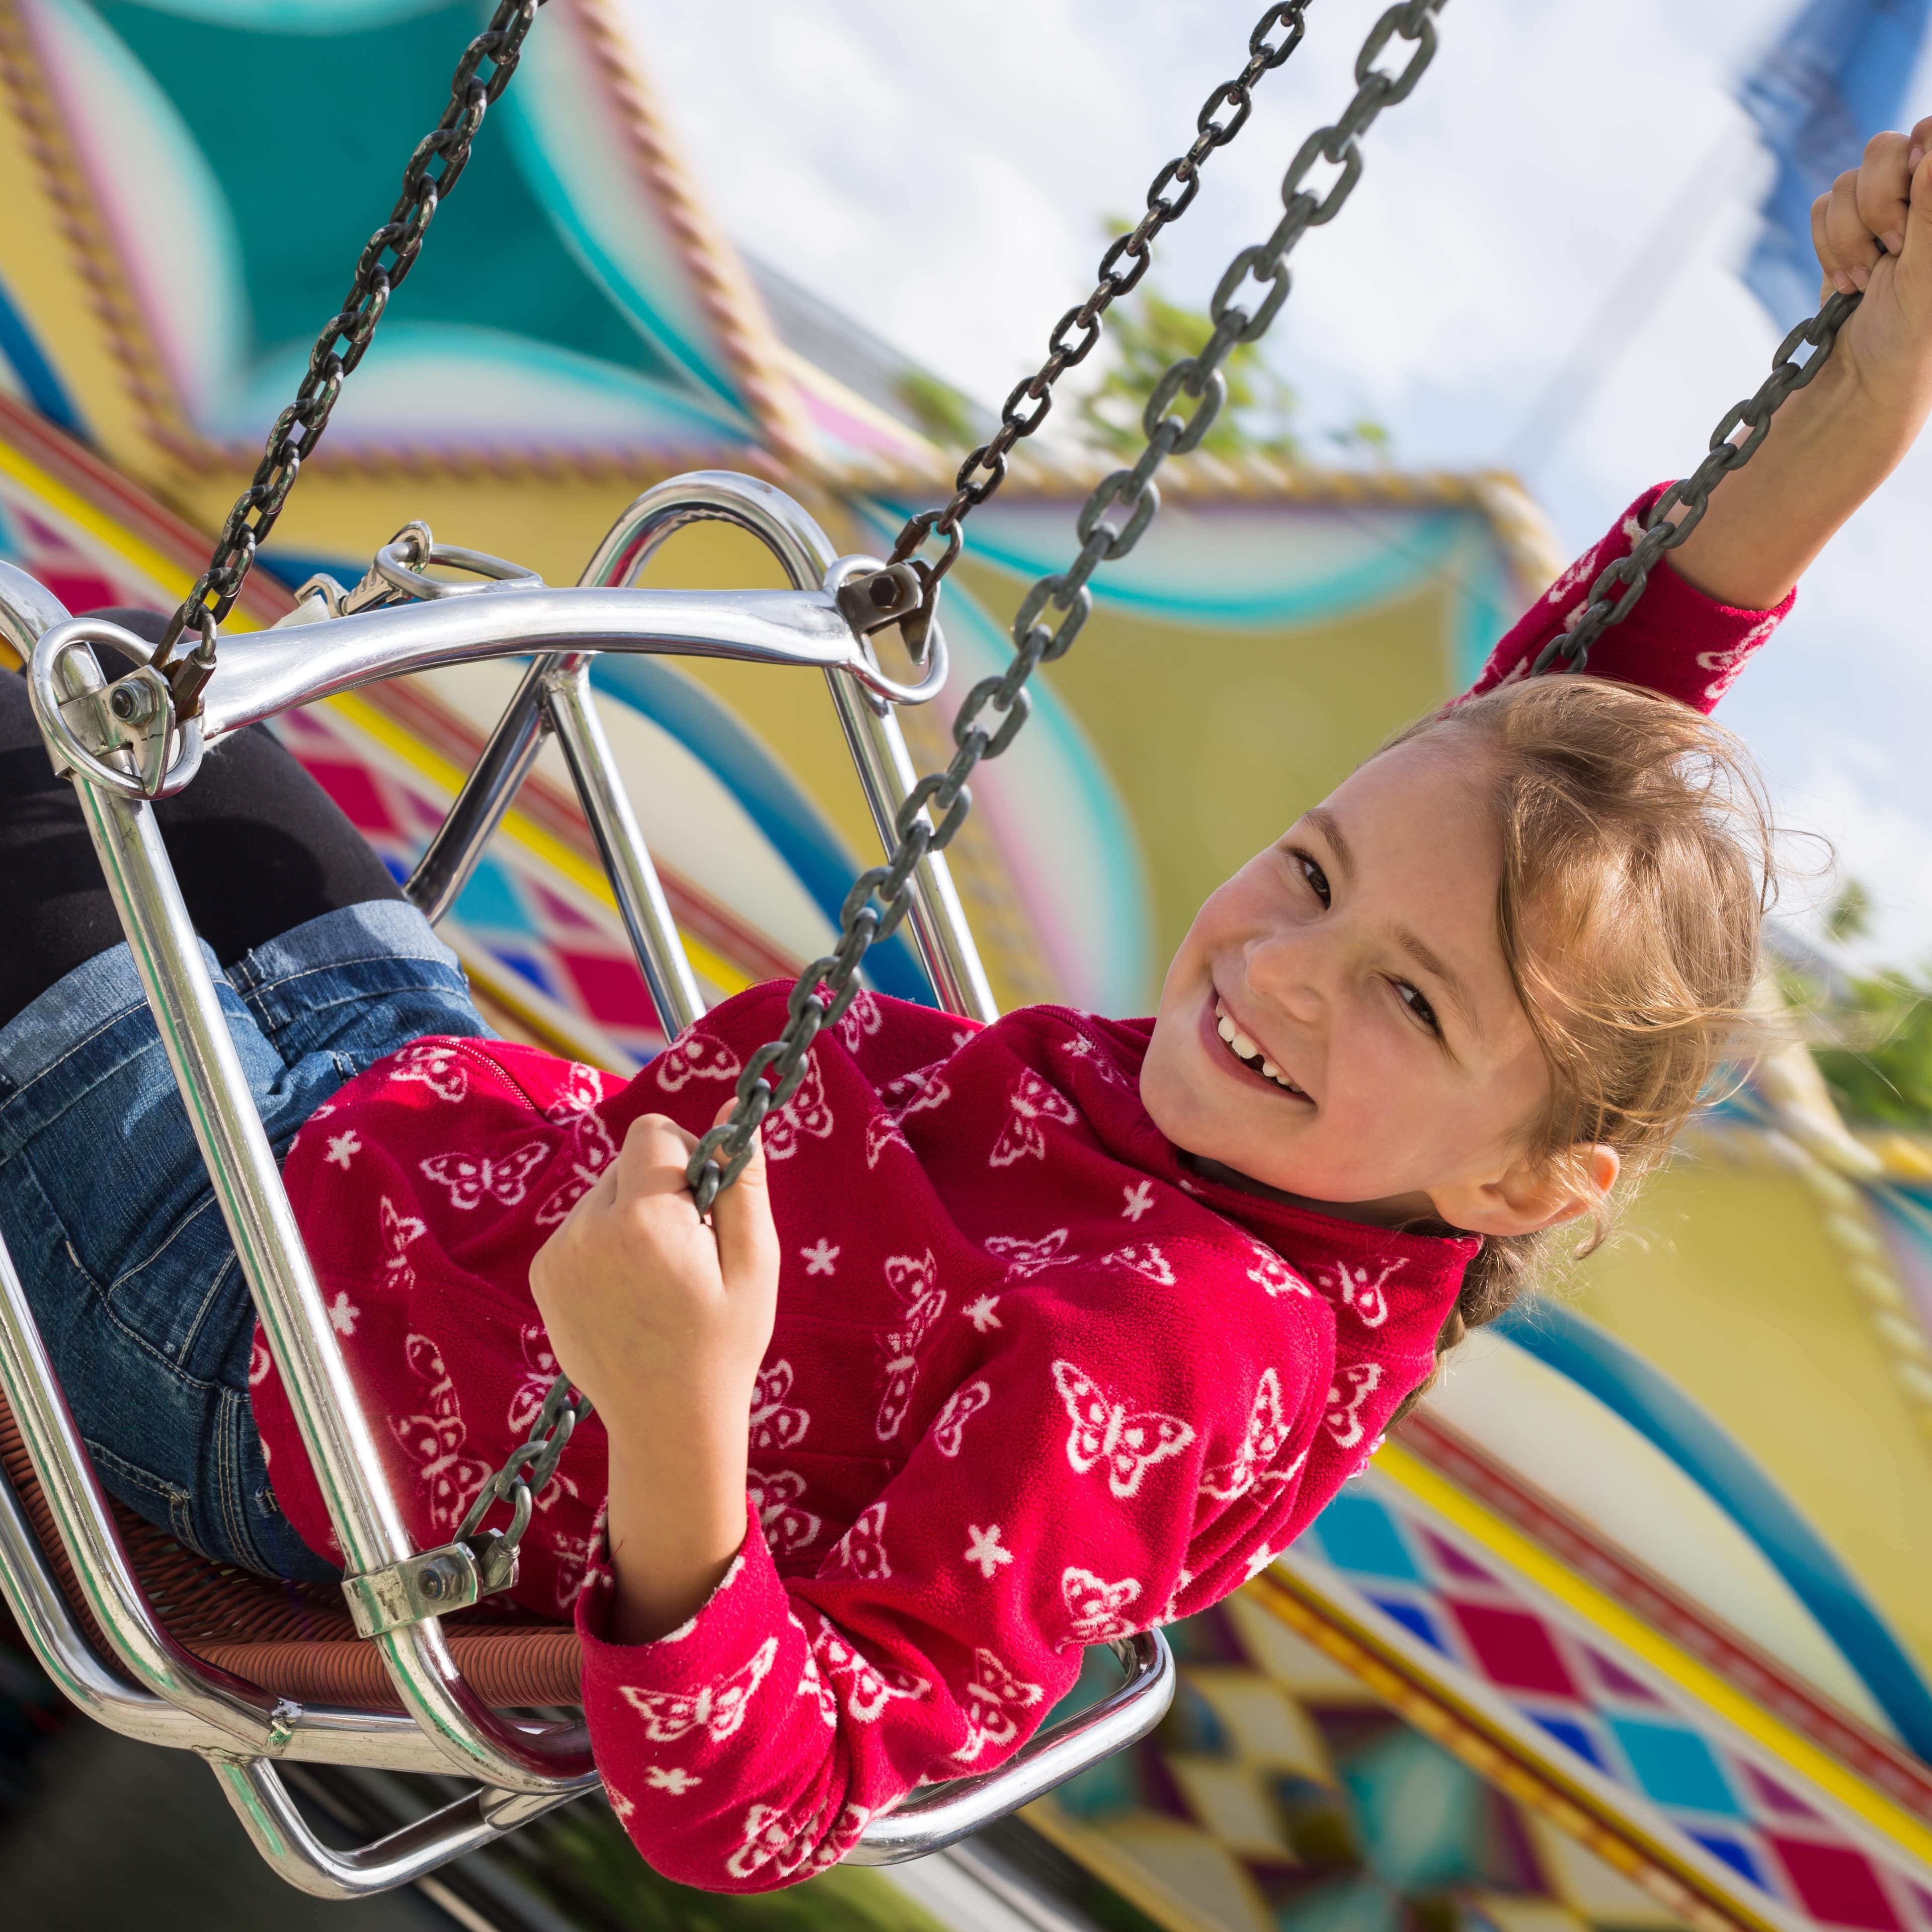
(1835, 442)
(661, 1317)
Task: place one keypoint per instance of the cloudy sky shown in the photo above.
(1569, 177)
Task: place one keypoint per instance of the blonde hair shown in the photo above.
(1637, 869)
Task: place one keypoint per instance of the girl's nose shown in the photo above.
(1289, 969)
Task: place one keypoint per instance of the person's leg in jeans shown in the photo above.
(107, 1208)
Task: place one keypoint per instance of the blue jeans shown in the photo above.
(112, 1221)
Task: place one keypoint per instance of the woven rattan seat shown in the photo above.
(295, 1640)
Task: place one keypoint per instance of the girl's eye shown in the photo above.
(1418, 1005)
(1318, 879)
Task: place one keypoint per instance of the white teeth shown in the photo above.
(1245, 1048)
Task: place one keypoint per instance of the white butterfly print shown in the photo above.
(883, 1131)
(774, 1503)
(398, 1232)
(1267, 1436)
(963, 1402)
(1095, 1605)
(806, 1112)
(1104, 1431)
(991, 1700)
(811, 1681)
(1023, 1137)
(434, 1440)
(915, 1279)
(717, 1710)
(260, 1361)
(789, 1843)
(1357, 1292)
(868, 1687)
(470, 1177)
(775, 1424)
(1080, 1048)
(861, 1551)
(1728, 663)
(592, 1149)
(573, 1555)
(1273, 1275)
(1146, 1259)
(1024, 1258)
(540, 1370)
(694, 1056)
(862, 1017)
(437, 1064)
(917, 1092)
(1353, 1387)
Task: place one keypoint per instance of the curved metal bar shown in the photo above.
(49, 691)
(929, 1820)
(282, 1835)
(28, 610)
(803, 551)
(261, 673)
(472, 1739)
(393, 565)
(805, 554)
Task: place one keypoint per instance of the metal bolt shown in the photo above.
(132, 704)
(884, 589)
(432, 1585)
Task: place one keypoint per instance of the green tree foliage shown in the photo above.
(1148, 334)
(940, 411)
(1879, 1066)
(1873, 1031)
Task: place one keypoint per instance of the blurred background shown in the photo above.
(1629, 1627)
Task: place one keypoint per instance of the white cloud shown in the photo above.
(943, 173)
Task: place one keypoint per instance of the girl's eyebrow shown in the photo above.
(1324, 822)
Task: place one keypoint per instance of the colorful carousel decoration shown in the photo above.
(1629, 1626)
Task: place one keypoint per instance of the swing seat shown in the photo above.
(293, 1640)
(160, 1642)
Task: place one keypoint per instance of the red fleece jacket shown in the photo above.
(1033, 1382)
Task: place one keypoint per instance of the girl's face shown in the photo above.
(1381, 1057)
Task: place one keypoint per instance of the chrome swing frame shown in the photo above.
(124, 745)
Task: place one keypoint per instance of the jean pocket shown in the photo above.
(154, 1498)
(172, 1299)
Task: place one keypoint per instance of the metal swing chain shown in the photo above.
(1569, 650)
(1221, 117)
(880, 898)
(390, 254)
(828, 986)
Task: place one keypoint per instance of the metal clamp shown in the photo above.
(399, 575)
(851, 581)
(133, 722)
(431, 1584)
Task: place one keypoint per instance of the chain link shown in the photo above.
(1622, 582)
(521, 1479)
(1110, 524)
(433, 169)
(1277, 34)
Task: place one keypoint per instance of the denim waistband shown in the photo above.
(101, 1005)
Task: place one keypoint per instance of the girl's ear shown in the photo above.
(1527, 1198)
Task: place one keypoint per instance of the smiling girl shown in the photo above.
(1014, 1338)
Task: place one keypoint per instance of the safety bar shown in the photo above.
(472, 1739)
(942, 1814)
(282, 1835)
(554, 694)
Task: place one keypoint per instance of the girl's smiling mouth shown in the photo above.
(1241, 1048)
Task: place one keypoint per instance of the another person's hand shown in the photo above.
(662, 1319)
